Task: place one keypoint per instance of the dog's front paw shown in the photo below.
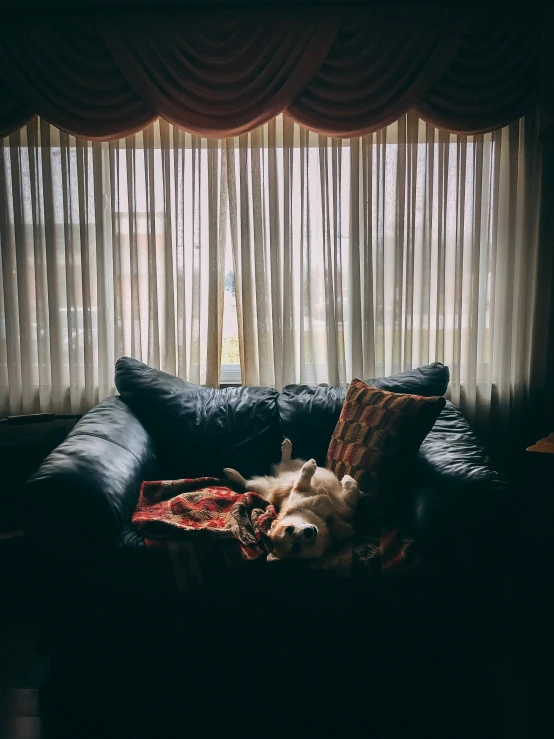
(310, 466)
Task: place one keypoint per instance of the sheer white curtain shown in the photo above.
(368, 256)
(359, 257)
(107, 249)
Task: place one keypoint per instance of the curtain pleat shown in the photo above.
(168, 337)
(368, 243)
(378, 223)
(104, 352)
(349, 257)
(354, 258)
(179, 178)
(11, 354)
(290, 297)
(217, 212)
(274, 204)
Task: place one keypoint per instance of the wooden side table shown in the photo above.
(543, 446)
(542, 464)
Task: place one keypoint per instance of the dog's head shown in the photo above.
(296, 536)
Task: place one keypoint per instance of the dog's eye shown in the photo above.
(289, 529)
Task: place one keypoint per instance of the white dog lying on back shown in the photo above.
(314, 508)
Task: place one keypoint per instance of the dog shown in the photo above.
(315, 509)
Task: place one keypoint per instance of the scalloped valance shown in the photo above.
(223, 73)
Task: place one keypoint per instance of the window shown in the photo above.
(280, 256)
(230, 353)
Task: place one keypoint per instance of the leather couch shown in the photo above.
(378, 658)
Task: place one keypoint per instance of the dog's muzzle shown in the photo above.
(310, 532)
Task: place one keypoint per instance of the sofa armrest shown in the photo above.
(83, 494)
(458, 493)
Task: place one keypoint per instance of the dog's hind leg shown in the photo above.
(287, 464)
(305, 476)
(286, 450)
(235, 477)
(350, 491)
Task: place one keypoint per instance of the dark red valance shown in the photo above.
(223, 73)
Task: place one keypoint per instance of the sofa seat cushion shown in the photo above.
(198, 430)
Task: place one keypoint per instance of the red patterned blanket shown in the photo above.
(207, 529)
(204, 526)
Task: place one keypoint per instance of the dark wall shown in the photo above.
(22, 449)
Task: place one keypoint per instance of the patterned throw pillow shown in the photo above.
(377, 433)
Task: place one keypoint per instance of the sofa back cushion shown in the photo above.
(198, 431)
(309, 414)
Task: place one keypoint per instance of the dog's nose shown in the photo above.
(310, 531)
